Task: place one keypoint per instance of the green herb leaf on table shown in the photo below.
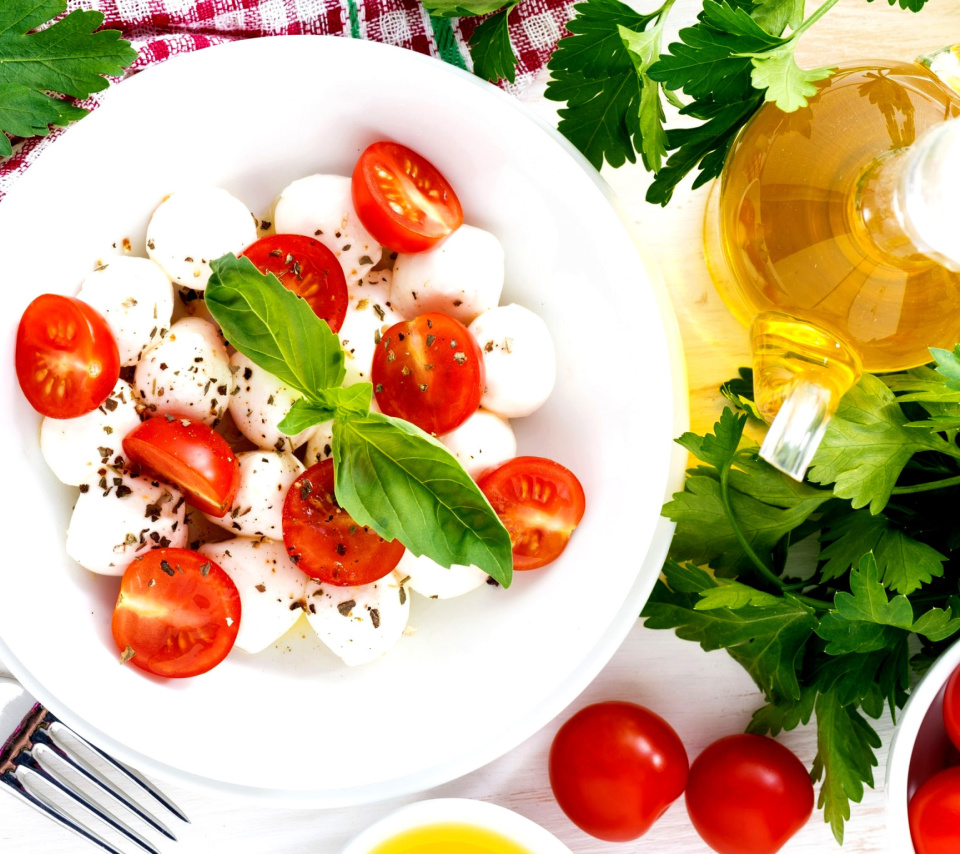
(68, 57)
(388, 474)
(406, 486)
(491, 49)
(783, 81)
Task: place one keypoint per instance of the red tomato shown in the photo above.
(177, 614)
(934, 813)
(190, 455)
(67, 359)
(324, 541)
(951, 708)
(306, 267)
(539, 502)
(402, 199)
(429, 371)
(615, 767)
(748, 794)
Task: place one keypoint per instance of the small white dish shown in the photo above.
(515, 827)
(919, 748)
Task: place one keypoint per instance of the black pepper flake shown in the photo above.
(110, 404)
(430, 339)
(105, 452)
(122, 490)
(247, 373)
(165, 566)
(305, 489)
(403, 595)
(265, 224)
(221, 389)
(493, 581)
(341, 549)
(380, 312)
(346, 607)
(205, 569)
(84, 487)
(365, 259)
(375, 617)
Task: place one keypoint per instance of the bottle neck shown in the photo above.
(908, 200)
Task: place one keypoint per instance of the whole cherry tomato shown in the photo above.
(190, 455)
(306, 267)
(402, 199)
(324, 541)
(66, 357)
(934, 813)
(177, 615)
(748, 794)
(615, 767)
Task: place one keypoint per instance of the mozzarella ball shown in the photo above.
(320, 444)
(75, 448)
(194, 226)
(462, 277)
(430, 579)
(482, 442)
(519, 357)
(118, 517)
(366, 320)
(359, 623)
(374, 286)
(136, 298)
(321, 206)
(257, 511)
(271, 588)
(187, 373)
(260, 405)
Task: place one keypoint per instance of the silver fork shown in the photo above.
(46, 765)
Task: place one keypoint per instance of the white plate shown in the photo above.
(481, 673)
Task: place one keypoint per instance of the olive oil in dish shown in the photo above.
(449, 838)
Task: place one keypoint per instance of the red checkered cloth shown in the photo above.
(159, 29)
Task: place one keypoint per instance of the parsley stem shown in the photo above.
(926, 487)
(761, 567)
(816, 16)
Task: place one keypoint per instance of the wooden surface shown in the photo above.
(704, 695)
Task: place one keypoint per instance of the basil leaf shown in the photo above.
(273, 327)
(326, 404)
(407, 486)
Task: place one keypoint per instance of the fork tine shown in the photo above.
(83, 750)
(14, 787)
(40, 764)
(54, 738)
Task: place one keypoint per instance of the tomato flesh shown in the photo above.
(934, 814)
(66, 357)
(748, 794)
(324, 541)
(429, 371)
(306, 267)
(190, 455)
(540, 503)
(615, 767)
(177, 615)
(402, 199)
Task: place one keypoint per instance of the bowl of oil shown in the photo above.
(455, 826)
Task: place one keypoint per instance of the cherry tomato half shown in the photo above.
(177, 615)
(306, 267)
(951, 708)
(324, 541)
(748, 794)
(402, 199)
(615, 767)
(66, 356)
(539, 502)
(934, 813)
(190, 455)
(429, 371)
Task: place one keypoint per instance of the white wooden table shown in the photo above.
(704, 695)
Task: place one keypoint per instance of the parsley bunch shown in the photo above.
(832, 592)
(37, 62)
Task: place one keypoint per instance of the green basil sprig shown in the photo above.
(389, 474)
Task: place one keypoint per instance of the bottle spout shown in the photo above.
(798, 429)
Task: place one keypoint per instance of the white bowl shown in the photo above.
(919, 748)
(292, 725)
(517, 828)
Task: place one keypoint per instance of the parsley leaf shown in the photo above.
(867, 444)
(67, 57)
(491, 49)
(593, 72)
(785, 82)
(845, 758)
(782, 714)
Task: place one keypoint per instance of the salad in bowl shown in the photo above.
(462, 678)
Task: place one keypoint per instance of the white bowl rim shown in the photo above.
(486, 814)
(579, 678)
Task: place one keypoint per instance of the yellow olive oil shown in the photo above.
(449, 838)
(795, 229)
